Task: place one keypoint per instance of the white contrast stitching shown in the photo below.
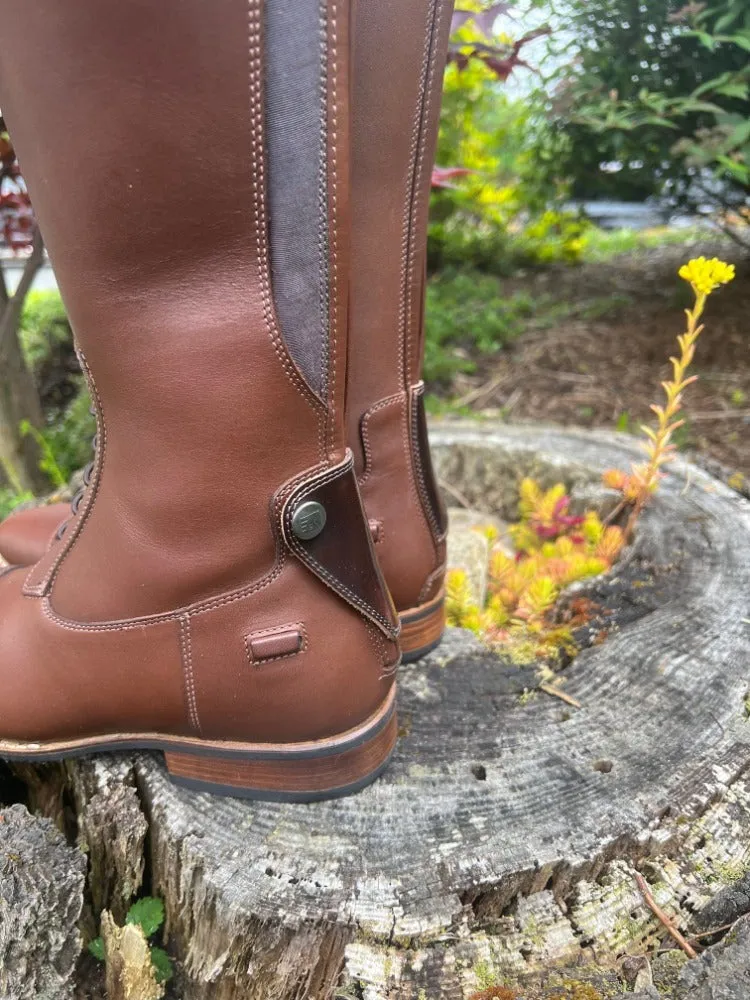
(423, 110)
(416, 392)
(333, 208)
(429, 583)
(337, 585)
(278, 629)
(364, 424)
(413, 206)
(324, 296)
(258, 171)
(186, 649)
(200, 607)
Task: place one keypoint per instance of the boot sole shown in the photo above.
(292, 772)
(422, 629)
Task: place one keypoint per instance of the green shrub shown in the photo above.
(467, 317)
(65, 446)
(69, 436)
(506, 211)
(10, 499)
(47, 341)
(44, 327)
(605, 244)
(659, 92)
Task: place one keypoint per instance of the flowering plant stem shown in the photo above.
(641, 483)
(659, 447)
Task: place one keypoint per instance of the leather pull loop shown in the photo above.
(341, 553)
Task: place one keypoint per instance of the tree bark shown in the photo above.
(41, 895)
(19, 399)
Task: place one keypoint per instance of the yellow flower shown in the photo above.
(706, 275)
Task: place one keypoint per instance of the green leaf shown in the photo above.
(704, 38)
(739, 90)
(689, 105)
(740, 134)
(655, 120)
(96, 947)
(147, 913)
(162, 964)
(742, 40)
(712, 85)
(727, 20)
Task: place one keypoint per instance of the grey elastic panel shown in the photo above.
(296, 148)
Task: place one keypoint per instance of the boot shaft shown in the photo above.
(155, 141)
(215, 594)
(396, 99)
(399, 57)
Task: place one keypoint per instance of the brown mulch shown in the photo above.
(604, 370)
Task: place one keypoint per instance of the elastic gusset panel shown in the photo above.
(295, 117)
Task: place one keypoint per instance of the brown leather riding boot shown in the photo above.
(396, 105)
(397, 79)
(215, 593)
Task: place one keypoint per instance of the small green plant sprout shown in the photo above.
(639, 485)
(623, 422)
(553, 549)
(148, 914)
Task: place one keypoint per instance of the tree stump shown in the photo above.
(41, 896)
(502, 841)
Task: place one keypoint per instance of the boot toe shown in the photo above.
(26, 534)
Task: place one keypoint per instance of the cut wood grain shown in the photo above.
(130, 971)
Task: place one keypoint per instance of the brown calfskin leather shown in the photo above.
(396, 97)
(341, 555)
(25, 534)
(140, 134)
(396, 102)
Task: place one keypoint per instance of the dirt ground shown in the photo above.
(602, 361)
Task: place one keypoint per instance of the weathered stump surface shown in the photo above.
(493, 810)
(41, 896)
(503, 837)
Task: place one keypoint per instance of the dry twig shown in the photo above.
(557, 693)
(714, 930)
(720, 415)
(478, 392)
(662, 917)
(455, 493)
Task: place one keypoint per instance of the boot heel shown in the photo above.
(301, 772)
(422, 629)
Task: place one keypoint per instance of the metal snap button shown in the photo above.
(308, 520)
